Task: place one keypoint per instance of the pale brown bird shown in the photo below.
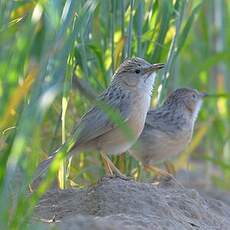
(168, 129)
(129, 94)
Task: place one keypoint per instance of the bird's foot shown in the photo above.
(168, 179)
(163, 177)
(122, 176)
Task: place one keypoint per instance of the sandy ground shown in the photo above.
(114, 203)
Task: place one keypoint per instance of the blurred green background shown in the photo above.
(56, 55)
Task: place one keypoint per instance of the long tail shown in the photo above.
(43, 168)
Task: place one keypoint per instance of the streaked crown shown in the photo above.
(181, 93)
(185, 96)
(137, 65)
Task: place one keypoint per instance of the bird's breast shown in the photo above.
(141, 106)
(117, 141)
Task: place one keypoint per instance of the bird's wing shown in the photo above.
(96, 121)
(158, 119)
(153, 117)
(162, 120)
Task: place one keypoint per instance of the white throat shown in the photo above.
(145, 88)
(147, 83)
(197, 110)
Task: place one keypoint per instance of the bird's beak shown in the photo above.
(203, 95)
(154, 67)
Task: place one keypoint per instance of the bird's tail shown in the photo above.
(43, 168)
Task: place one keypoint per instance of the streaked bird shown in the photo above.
(129, 95)
(168, 129)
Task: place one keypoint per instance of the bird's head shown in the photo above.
(187, 98)
(137, 72)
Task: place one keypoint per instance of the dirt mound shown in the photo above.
(119, 204)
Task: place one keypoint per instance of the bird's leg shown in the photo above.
(107, 167)
(69, 161)
(111, 168)
(170, 168)
(158, 171)
(161, 173)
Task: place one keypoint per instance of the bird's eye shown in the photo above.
(194, 96)
(137, 71)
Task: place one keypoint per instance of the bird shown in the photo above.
(168, 129)
(129, 96)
